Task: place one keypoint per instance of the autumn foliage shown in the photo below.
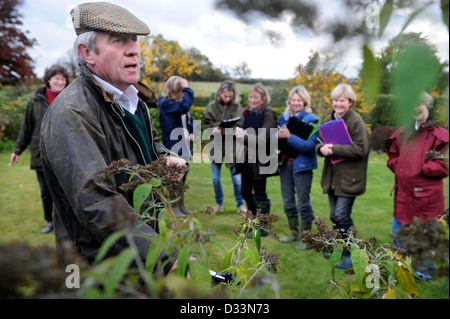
(15, 63)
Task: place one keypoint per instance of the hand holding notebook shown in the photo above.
(335, 132)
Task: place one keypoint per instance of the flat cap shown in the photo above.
(107, 17)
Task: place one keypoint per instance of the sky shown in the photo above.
(223, 38)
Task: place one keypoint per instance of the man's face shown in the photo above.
(117, 60)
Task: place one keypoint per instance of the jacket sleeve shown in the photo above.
(393, 152)
(360, 146)
(26, 130)
(437, 168)
(209, 119)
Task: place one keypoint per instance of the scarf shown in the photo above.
(51, 95)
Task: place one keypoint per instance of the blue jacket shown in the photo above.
(170, 116)
(307, 159)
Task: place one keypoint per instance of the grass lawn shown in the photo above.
(301, 274)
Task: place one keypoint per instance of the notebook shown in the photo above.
(299, 128)
(253, 119)
(229, 122)
(335, 132)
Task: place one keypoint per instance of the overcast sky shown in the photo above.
(222, 37)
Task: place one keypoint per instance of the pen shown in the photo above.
(320, 141)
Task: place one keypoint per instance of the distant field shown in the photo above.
(207, 88)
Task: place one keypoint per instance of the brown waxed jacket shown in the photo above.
(348, 178)
(82, 133)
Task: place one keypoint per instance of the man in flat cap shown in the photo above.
(100, 118)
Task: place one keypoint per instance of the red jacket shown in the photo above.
(419, 187)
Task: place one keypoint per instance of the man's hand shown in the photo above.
(172, 160)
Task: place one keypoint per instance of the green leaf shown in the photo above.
(141, 193)
(335, 258)
(414, 59)
(107, 244)
(371, 75)
(155, 182)
(154, 251)
(444, 7)
(385, 15)
(226, 264)
(257, 239)
(252, 255)
(199, 273)
(183, 260)
(120, 268)
(360, 260)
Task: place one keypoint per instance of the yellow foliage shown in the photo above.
(161, 59)
(321, 82)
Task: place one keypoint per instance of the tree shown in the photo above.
(396, 46)
(242, 71)
(320, 79)
(15, 63)
(162, 58)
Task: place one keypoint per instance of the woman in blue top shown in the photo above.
(296, 171)
(177, 126)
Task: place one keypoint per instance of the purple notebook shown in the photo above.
(335, 132)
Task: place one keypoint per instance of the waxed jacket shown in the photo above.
(30, 130)
(306, 160)
(82, 133)
(419, 188)
(348, 178)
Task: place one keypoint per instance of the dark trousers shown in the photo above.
(47, 202)
(340, 211)
(251, 187)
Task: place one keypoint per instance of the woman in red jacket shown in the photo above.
(419, 187)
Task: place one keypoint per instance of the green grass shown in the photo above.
(208, 88)
(301, 275)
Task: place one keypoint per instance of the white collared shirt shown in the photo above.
(128, 99)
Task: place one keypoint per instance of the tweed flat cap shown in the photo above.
(107, 17)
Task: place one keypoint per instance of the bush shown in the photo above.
(380, 138)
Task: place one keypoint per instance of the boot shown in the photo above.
(306, 226)
(176, 206)
(251, 205)
(181, 206)
(294, 227)
(347, 261)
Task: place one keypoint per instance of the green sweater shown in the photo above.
(138, 128)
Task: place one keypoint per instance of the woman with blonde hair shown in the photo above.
(174, 106)
(224, 107)
(346, 179)
(296, 165)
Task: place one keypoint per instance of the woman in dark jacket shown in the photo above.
(56, 78)
(346, 179)
(224, 107)
(259, 150)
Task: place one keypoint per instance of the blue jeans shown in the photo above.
(340, 211)
(299, 183)
(218, 191)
